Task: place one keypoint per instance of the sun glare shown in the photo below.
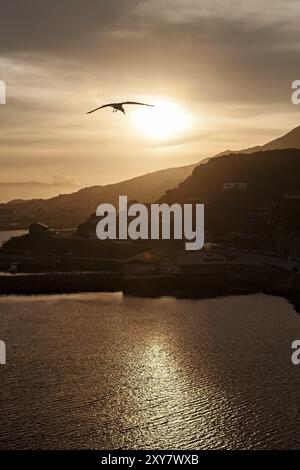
(164, 120)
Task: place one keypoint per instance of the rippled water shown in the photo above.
(103, 371)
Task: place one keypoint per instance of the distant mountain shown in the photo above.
(287, 141)
(33, 189)
(68, 210)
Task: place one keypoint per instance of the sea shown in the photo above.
(106, 371)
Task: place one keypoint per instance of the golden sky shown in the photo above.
(219, 73)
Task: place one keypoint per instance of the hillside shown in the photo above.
(291, 140)
(254, 191)
(266, 174)
(68, 210)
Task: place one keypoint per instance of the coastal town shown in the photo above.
(51, 261)
(250, 225)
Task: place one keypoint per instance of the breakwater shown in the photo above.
(60, 282)
(205, 285)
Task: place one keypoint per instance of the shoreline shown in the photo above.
(188, 287)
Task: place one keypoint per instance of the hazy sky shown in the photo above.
(227, 64)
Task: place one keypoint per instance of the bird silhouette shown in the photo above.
(118, 106)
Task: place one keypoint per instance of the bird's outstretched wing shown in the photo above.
(115, 105)
(137, 102)
(100, 107)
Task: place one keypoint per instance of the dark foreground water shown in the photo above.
(102, 371)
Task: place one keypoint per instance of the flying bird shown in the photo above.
(119, 106)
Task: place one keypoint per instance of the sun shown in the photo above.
(164, 120)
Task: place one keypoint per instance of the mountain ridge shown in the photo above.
(68, 210)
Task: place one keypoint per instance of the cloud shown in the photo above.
(61, 58)
(54, 25)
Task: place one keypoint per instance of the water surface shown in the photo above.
(103, 371)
